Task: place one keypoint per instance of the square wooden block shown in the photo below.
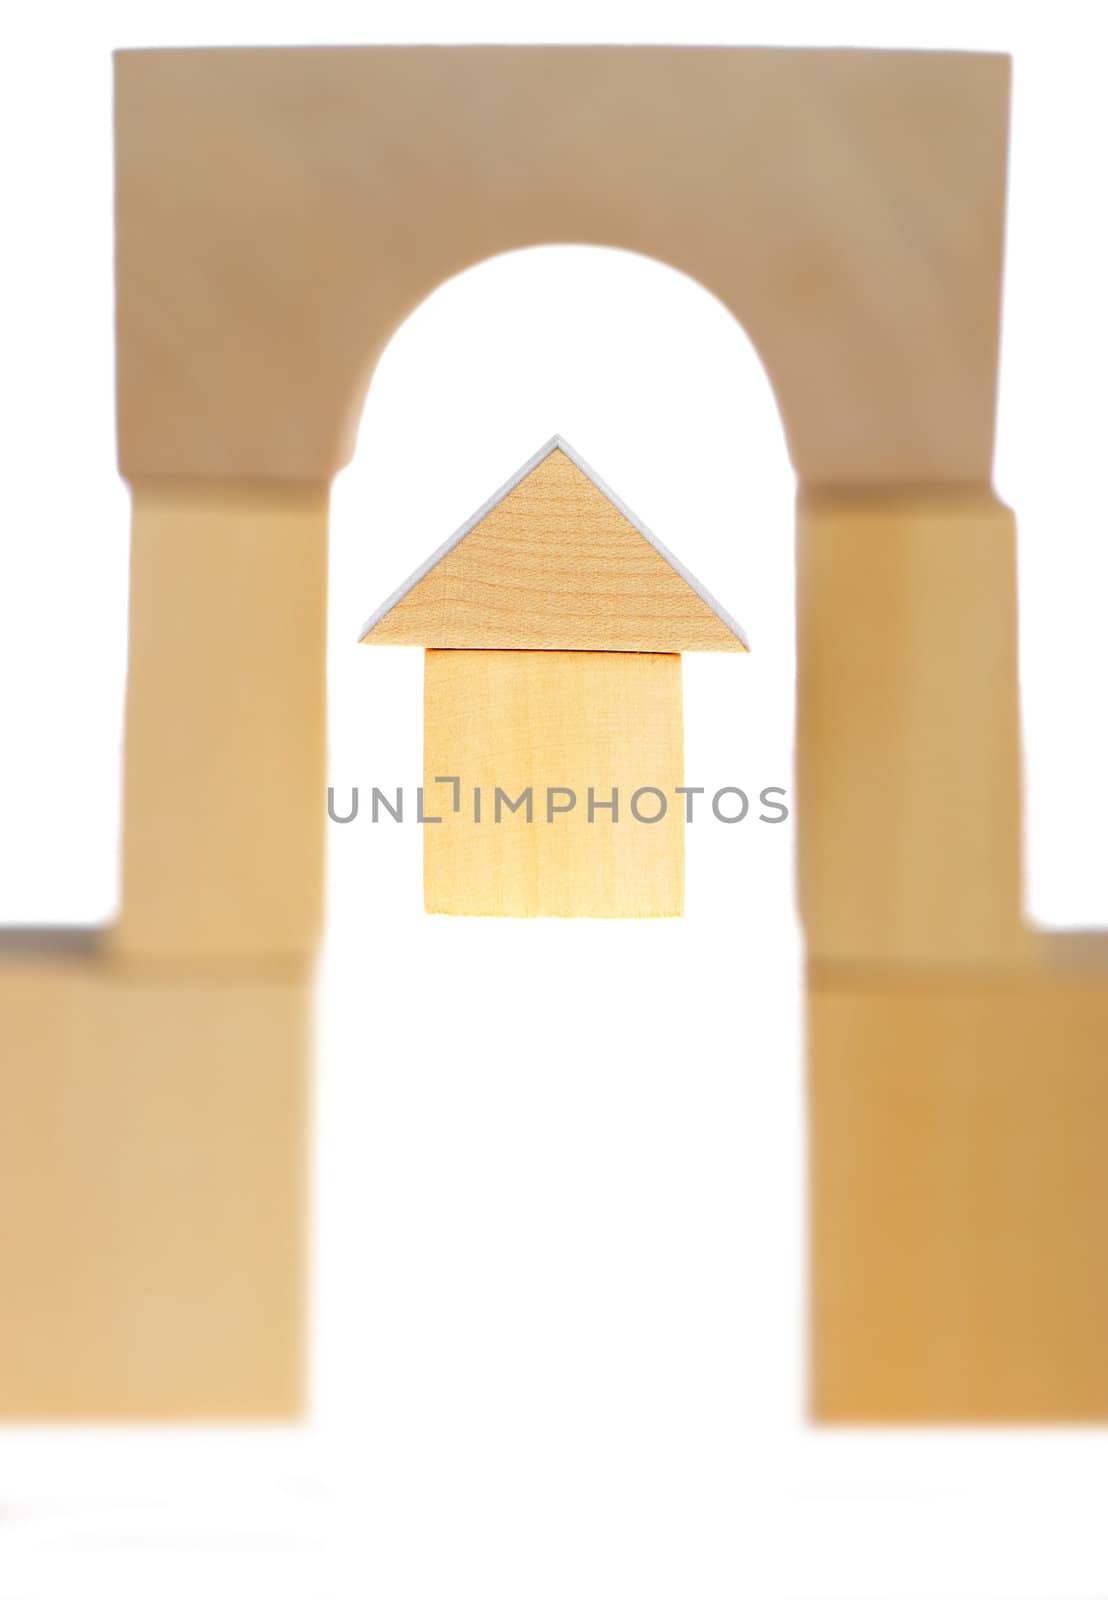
(959, 1195)
(551, 724)
(152, 1155)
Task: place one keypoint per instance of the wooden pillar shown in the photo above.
(958, 1069)
(908, 746)
(153, 1145)
(224, 783)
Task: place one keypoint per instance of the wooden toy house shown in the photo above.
(553, 623)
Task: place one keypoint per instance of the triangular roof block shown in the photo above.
(554, 561)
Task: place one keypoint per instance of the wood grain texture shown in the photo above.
(958, 1197)
(555, 565)
(223, 797)
(908, 744)
(280, 212)
(553, 719)
(152, 1156)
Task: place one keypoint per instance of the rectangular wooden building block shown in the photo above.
(959, 1199)
(907, 737)
(553, 723)
(223, 801)
(152, 1197)
(280, 212)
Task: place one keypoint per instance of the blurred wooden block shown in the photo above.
(959, 1197)
(908, 745)
(152, 1154)
(280, 212)
(551, 719)
(224, 787)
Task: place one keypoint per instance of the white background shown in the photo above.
(559, 1216)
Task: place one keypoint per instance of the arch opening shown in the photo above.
(643, 1155)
